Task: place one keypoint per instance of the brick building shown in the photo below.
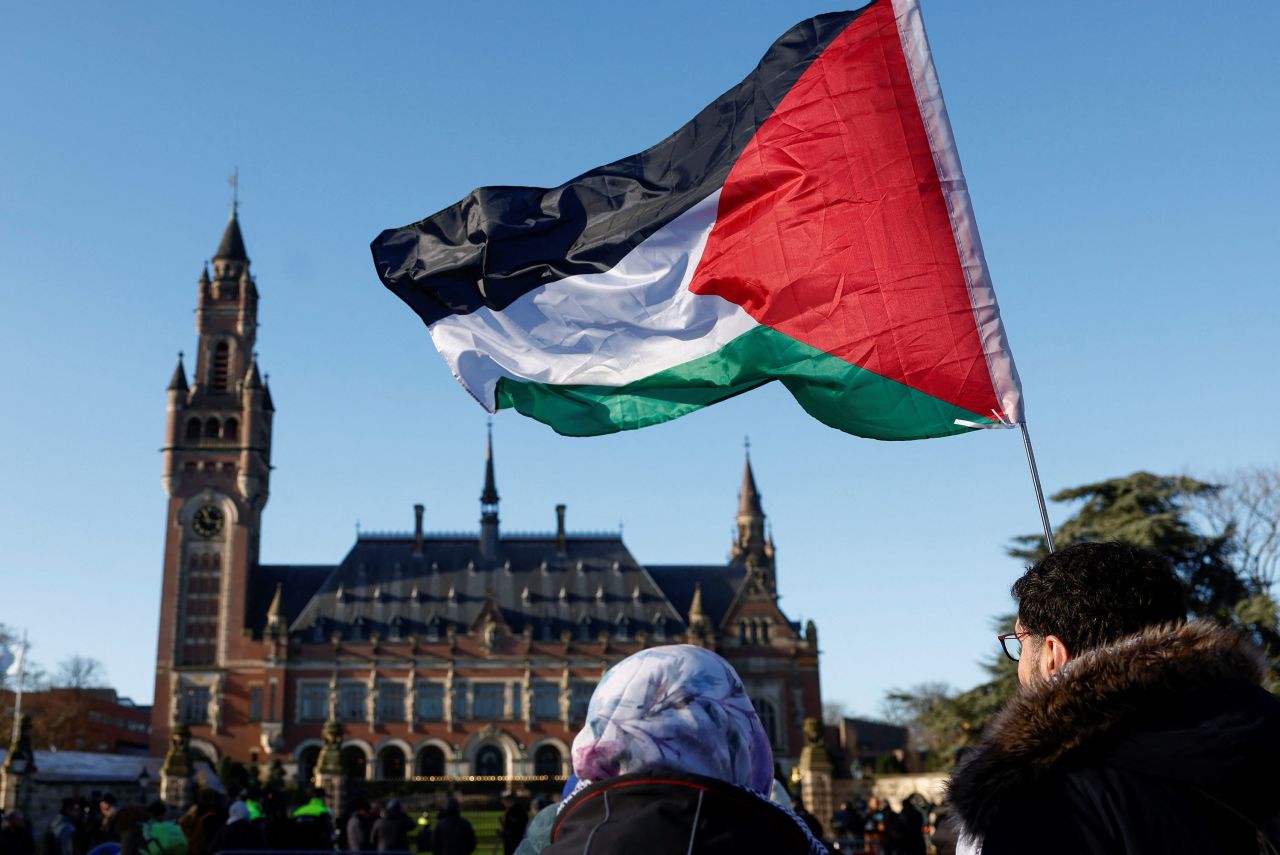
(440, 655)
(88, 719)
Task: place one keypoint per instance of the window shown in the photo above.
(313, 702)
(221, 366)
(351, 702)
(459, 701)
(231, 429)
(768, 718)
(391, 764)
(489, 761)
(193, 429)
(195, 705)
(431, 762)
(579, 699)
(660, 629)
(584, 629)
(429, 703)
(546, 761)
(212, 428)
(546, 701)
(488, 702)
(307, 763)
(255, 703)
(391, 707)
(515, 702)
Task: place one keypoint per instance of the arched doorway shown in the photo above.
(546, 761)
(490, 761)
(391, 764)
(354, 763)
(431, 762)
(307, 760)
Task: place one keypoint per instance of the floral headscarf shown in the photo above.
(679, 707)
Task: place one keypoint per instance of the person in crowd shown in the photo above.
(60, 837)
(201, 822)
(674, 757)
(359, 826)
(842, 821)
(424, 831)
(15, 835)
(453, 835)
(1135, 730)
(160, 835)
(810, 821)
(313, 824)
(238, 832)
(130, 824)
(391, 830)
(108, 830)
(911, 822)
(515, 818)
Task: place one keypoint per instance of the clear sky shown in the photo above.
(1121, 159)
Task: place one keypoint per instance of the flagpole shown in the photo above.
(1035, 481)
(17, 700)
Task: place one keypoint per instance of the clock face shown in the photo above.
(208, 521)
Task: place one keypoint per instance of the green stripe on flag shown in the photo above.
(835, 392)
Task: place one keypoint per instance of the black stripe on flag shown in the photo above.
(501, 242)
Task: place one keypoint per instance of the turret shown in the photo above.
(750, 540)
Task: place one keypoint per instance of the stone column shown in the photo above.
(816, 774)
(329, 775)
(177, 780)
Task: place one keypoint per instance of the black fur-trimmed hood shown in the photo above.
(1141, 704)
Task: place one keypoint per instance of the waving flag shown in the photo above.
(811, 226)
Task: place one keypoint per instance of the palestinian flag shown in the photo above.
(811, 226)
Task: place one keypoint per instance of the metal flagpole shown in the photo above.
(1035, 480)
(17, 700)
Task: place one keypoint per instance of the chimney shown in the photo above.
(417, 530)
(562, 541)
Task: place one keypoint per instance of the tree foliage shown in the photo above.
(80, 672)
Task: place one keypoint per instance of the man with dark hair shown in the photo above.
(1135, 730)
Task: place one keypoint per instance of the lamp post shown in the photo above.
(144, 782)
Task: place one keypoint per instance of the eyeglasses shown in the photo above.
(1012, 644)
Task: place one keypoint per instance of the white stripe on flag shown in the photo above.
(606, 329)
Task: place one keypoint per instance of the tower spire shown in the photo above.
(489, 504)
(750, 540)
(179, 381)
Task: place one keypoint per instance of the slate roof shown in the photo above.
(719, 584)
(299, 584)
(596, 584)
(231, 247)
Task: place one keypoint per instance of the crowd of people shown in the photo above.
(1135, 731)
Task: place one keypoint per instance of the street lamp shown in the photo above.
(144, 781)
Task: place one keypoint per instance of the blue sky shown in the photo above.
(1121, 163)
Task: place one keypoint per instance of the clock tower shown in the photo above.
(216, 471)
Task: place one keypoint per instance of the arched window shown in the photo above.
(768, 718)
(490, 761)
(193, 428)
(221, 366)
(431, 762)
(391, 764)
(354, 763)
(212, 428)
(764, 631)
(742, 632)
(307, 764)
(231, 429)
(546, 761)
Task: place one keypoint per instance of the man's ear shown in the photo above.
(1054, 657)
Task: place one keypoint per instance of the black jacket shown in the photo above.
(657, 812)
(453, 835)
(1162, 743)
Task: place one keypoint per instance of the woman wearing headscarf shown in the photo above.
(673, 759)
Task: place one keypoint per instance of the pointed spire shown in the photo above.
(696, 612)
(749, 496)
(490, 494)
(253, 379)
(204, 274)
(179, 381)
(275, 612)
(231, 247)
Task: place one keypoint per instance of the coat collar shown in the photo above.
(1102, 693)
